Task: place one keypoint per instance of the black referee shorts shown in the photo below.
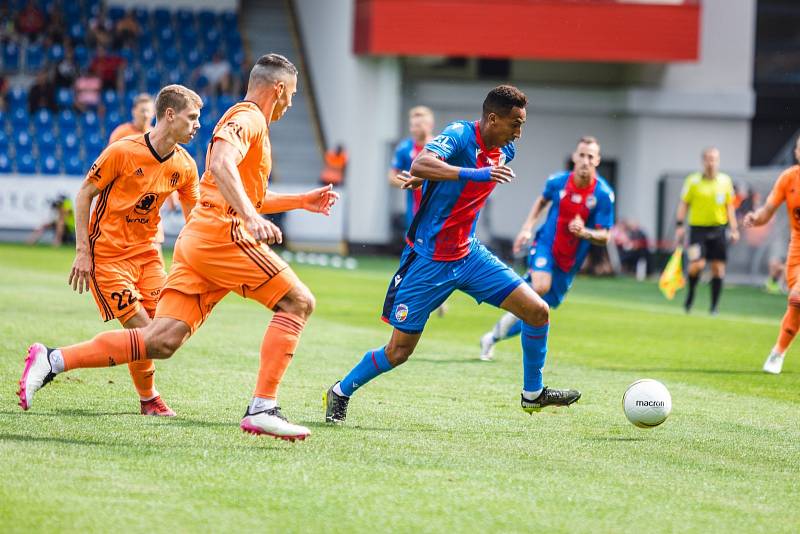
(708, 242)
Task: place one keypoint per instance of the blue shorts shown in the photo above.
(541, 259)
(421, 285)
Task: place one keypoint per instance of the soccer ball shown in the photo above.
(647, 403)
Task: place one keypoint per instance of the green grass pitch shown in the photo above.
(438, 445)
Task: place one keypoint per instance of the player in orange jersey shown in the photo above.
(115, 255)
(222, 248)
(786, 189)
(142, 114)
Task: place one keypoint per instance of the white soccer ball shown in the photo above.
(647, 403)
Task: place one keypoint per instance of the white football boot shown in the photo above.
(271, 422)
(36, 374)
(487, 346)
(774, 363)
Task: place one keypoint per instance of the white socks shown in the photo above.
(258, 404)
(56, 361)
(337, 388)
(502, 326)
(531, 395)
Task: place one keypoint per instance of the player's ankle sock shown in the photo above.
(690, 294)
(789, 324)
(371, 365)
(534, 352)
(56, 361)
(106, 349)
(143, 376)
(277, 349)
(716, 290)
(508, 326)
(531, 395)
(259, 404)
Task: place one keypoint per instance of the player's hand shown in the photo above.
(502, 174)
(81, 271)
(680, 232)
(734, 235)
(263, 230)
(749, 220)
(576, 227)
(523, 238)
(320, 200)
(409, 182)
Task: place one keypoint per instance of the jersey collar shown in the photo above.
(153, 150)
(490, 154)
(575, 185)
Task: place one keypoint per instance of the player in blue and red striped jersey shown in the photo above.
(581, 212)
(420, 126)
(459, 168)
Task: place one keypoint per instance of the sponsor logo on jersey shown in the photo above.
(401, 313)
(139, 172)
(397, 280)
(146, 203)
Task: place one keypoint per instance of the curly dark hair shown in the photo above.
(502, 99)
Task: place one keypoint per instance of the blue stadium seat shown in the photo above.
(10, 56)
(50, 165)
(17, 97)
(70, 144)
(115, 13)
(153, 81)
(3, 119)
(20, 120)
(34, 57)
(77, 31)
(67, 121)
(94, 142)
(166, 36)
(206, 19)
(147, 55)
(110, 98)
(192, 58)
(64, 97)
(82, 56)
(142, 16)
(46, 142)
(72, 11)
(56, 53)
(113, 119)
(127, 54)
(73, 164)
(89, 122)
(26, 163)
(22, 141)
(226, 101)
(229, 19)
(43, 119)
(4, 142)
(162, 17)
(5, 163)
(184, 17)
(201, 83)
(130, 76)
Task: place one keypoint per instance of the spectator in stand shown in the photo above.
(87, 91)
(101, 30)
(42, 94)
(3, 92)
(61, 223)
(108, 67)
(217, 72)
(67, 69)
(632, 245)
(7, 31)
(30, 21)
(56, 27)
(127, 31)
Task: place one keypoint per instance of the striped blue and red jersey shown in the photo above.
(404, 155)
(594, 204)
(444, 227)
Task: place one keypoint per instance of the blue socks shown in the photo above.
(534, 352)
(371, 365)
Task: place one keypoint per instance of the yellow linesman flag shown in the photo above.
(672, 278)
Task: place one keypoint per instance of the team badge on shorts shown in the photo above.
(541, 262)
(401, 313)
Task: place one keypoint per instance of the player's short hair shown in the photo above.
(420, 111)
(141, 98)
(176, 97)
(271, 68)
(589, 140)
(502, 99)
(706, 150)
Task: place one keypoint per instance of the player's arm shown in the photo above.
(82, 265)
(762, 215)
(428, 166)
(395, 178)
(188, 194)
(319, 200)
(680, 221)
(223, 165)
(596, 236)
(526, 232)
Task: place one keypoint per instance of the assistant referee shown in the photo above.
(708, 198)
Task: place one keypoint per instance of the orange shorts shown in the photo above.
(203, 272)
(792, 273)
(121, 288)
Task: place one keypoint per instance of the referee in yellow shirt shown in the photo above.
(708, 198)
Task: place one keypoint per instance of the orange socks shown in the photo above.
(106, 350)
(790, 323)
(277, 349)
(143, 377)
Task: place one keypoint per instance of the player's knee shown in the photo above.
(794, 299)
(300, 301)
(540, 314)
(162, 340)
(398, 354)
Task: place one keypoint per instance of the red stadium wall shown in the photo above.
(567, 30)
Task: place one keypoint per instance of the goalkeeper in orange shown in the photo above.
(786, 189)
(223, 248)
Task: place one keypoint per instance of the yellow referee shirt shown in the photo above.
(707, 199)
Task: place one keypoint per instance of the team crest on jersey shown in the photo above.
(591, 201)
(173, 181)
(146, 203)
(401, 313)
(576, 198)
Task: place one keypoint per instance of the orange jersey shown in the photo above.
(134, 182)
(245, 127)
(787, 189)
(124, 130)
